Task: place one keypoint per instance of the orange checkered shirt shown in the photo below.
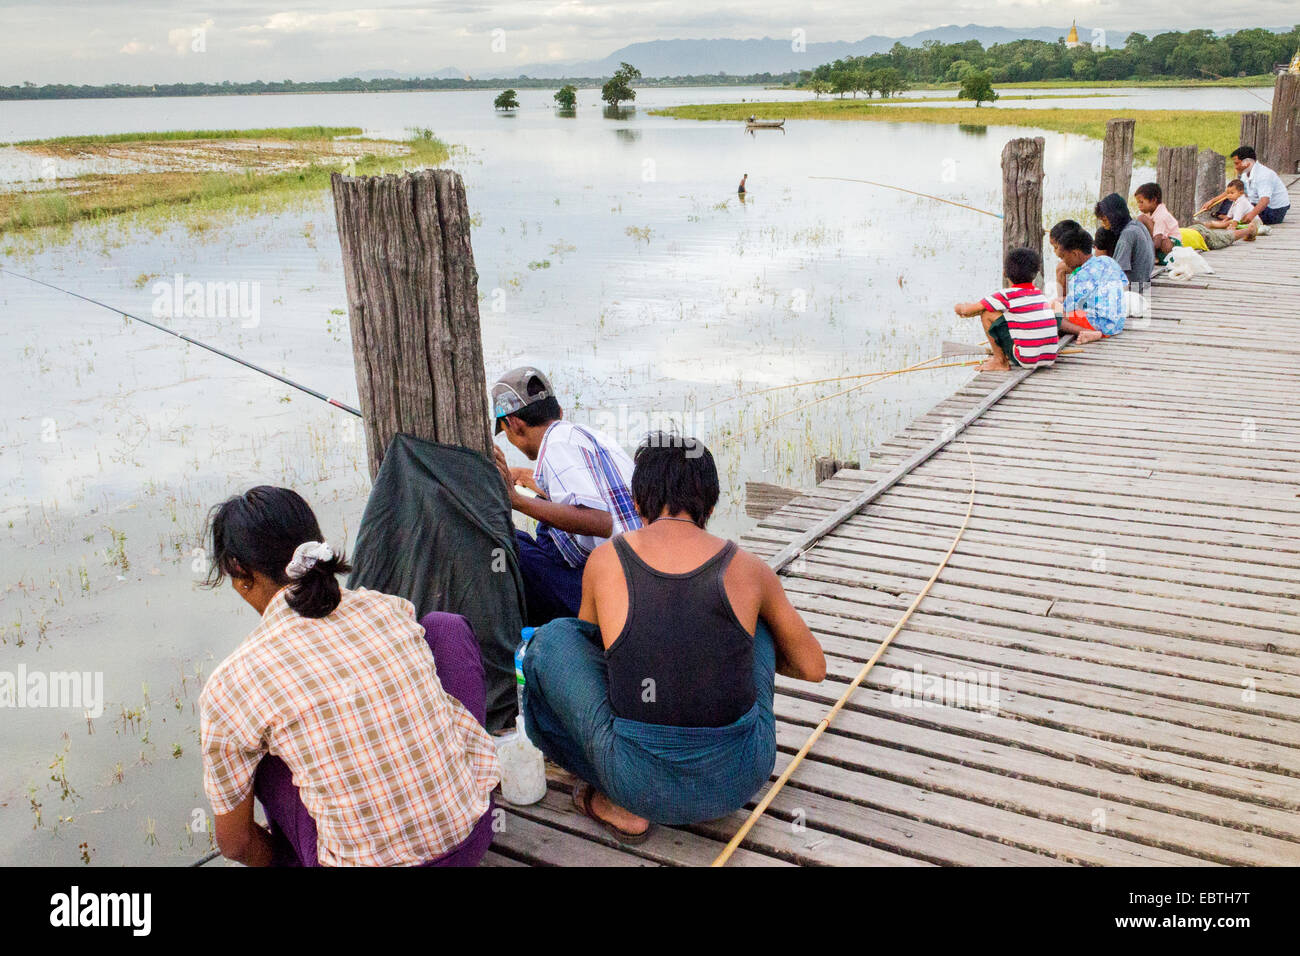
(394, 770)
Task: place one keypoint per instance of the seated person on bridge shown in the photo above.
(358, 728)
(1103, 244)
(1223, 227)
(1018, 321)
(1158, 220)
(1134, 251)
(659, 695)
(581, 482)
(1269, 199)
(1095, 305)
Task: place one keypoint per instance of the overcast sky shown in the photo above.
(56, 41)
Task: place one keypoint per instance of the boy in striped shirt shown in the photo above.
(1018, 321)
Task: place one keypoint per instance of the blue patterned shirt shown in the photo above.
(1097, 290)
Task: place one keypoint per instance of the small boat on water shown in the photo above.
(755, 123)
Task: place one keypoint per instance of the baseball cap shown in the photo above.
(511, 392)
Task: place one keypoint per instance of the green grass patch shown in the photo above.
(1209, 129)
(164, 195)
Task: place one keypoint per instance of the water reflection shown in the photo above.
(973, 129)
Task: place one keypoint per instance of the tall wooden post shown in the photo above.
(1209, 177)
(1176, 174)
(1022, 195)
(1117, 158)
(1284, 126)
(1254, 132)
(413, 300)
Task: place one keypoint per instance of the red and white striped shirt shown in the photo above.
(1030, 320)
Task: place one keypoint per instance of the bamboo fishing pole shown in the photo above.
(951, 202)
(825, 723)
(193, 341)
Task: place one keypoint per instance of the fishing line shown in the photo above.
(781, 781)
(878, 376)
(192, 341)
(819, 381)
(1246, 88)
(951, 202)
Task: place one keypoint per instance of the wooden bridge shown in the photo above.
(1130, 578)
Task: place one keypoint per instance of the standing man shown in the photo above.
(1265, 190)
(741, 188)
(581, 482)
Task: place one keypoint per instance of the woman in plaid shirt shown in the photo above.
(359, 730)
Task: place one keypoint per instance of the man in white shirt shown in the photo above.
(582, 483)
(1264, 188)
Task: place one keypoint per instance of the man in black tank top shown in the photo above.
(659, 696)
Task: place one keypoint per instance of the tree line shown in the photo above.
(64, 91)
(1191, 54)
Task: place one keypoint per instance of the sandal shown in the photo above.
(583, 793)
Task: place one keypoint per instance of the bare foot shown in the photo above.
(1252, 230)
(996, 365)
(1087, 338)
(611, 812)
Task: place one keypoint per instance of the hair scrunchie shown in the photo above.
(305, 557)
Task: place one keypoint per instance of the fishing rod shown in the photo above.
(1246, 88)
(192, 341)
(951, 202)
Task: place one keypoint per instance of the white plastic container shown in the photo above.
(523, 768)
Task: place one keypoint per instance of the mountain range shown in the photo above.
(663, 58)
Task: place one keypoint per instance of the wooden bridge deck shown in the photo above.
(1131, 575)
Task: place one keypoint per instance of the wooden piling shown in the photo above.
(1176, 174)
(825, 467)
(1117, 158)
(413, 301)
(1022, 195)
(1254, 132)
(1209, 176)
(1283, 152)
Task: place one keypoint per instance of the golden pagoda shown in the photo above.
(1295, 63)
(1072, 38)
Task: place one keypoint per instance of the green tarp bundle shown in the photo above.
(437, 531)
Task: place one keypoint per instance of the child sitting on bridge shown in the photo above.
(1017, 320)
(1159, 221)
(1095, 305)
(1223, 227)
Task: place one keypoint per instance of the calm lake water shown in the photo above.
(613, 253)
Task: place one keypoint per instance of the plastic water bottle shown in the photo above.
(523, 768)
(527, 635)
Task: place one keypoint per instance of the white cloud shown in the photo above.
(135, 48)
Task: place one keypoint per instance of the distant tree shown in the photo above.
(978, 87)
(619, 87)
(888, 81)
(566, 97)
(957, 70)
(818, 87)
(506, 100)
(841, 82)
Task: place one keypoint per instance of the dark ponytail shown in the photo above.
(259, 531)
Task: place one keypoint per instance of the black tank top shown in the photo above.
(683, 658)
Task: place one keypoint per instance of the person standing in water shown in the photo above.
(741, 188)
